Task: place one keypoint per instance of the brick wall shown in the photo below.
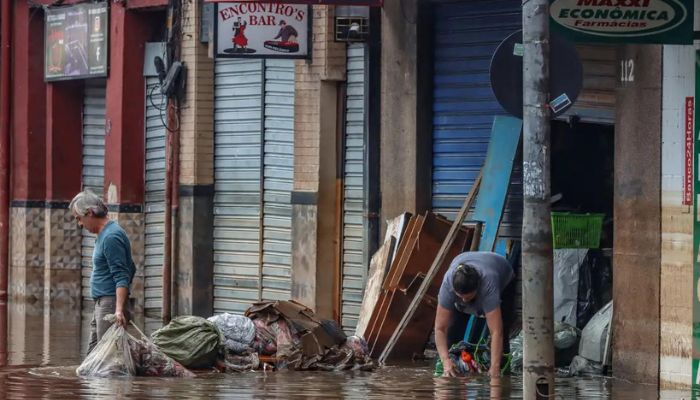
(197, 110)
(327, 63)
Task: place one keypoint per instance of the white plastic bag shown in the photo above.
(112, 356)
(239, 331)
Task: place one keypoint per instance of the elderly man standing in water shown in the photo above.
(112, 266)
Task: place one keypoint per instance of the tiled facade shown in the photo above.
(27, 253)
(46, 255)
(62, 239)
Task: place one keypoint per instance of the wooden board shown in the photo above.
(378, 268)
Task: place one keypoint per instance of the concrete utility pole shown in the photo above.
(538, 309)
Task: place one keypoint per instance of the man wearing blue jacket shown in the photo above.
(112, 266)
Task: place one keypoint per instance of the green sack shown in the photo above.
(192, 341)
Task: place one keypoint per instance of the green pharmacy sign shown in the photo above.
(624, 21)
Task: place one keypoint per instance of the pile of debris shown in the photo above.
(271, 335)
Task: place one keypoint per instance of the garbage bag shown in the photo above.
(239, 331)
(358, 345)
(516, 353)
(581, 366)
(565, 335)
(192, 341)
(265, 341)
(285, 342)
(241, 363)
(112, 356)
(595, 286)
(151, 361)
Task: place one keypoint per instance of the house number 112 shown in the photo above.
(627, 70)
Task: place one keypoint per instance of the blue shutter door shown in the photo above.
(466, 36)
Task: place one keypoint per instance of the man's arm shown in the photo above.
(442, 322)
(495, 324)
(117, 260)
(122, 298)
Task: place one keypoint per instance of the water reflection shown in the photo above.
(45, 348)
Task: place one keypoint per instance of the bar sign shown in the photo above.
(688, 179)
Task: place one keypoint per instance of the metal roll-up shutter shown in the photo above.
(466, 36)
(238, 86)
(278, 175)
(93, 163)
(354, 259)
(154, 210)
(596, 102)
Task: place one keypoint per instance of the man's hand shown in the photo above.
(121, 319)
(448, 369)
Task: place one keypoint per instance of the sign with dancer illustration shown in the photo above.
(258, 30)
(76, 41)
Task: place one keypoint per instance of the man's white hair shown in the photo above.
(88, 201)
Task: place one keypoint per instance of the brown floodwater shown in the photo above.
(44, 348)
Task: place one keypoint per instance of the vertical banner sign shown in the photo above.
(696, 241)
(688, 179)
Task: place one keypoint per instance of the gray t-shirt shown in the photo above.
(496, 272)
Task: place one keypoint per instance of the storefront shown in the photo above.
(93, 151)
(465, 37)
(253, 161)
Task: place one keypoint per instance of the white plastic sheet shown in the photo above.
(566, 268)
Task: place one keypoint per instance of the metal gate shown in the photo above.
(278, 175)
(253, 156)
(154, 207)
(464, 106)
(354, 257)
(93, 164)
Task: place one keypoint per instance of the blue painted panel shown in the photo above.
(496, 177)
(466, 35)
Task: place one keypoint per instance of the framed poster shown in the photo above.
(76, 41)
(262, 30)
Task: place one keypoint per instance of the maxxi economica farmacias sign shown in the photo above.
(624, 21)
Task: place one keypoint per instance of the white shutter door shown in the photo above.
(154, 210)
(237, 183)
(278, 171)
(354, 259)
(93, 163)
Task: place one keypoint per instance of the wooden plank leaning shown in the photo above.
(439, 259)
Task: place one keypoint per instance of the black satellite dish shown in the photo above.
(565, 74)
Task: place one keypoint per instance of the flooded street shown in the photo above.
(45, 348)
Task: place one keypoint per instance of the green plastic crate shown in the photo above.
(576, 231)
